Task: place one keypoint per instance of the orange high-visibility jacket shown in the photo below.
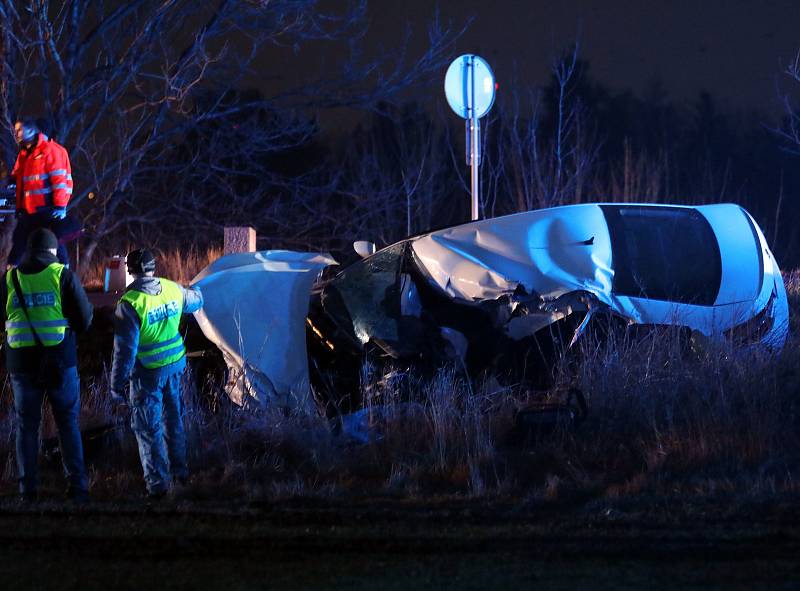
(43, 176)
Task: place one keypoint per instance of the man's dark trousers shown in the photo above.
(64, 399)
(27, 223)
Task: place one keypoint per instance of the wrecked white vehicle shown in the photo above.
(510, 294)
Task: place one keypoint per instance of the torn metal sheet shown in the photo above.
(255, 308)
(549, 252)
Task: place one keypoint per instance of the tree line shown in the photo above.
(174, 130)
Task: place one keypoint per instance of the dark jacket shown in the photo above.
(75, 307)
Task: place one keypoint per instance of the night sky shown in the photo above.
(732, 48)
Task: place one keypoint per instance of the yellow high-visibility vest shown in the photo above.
(160, 342)
(42, 293)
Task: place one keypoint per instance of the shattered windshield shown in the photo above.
(368, 291)
(664, 253)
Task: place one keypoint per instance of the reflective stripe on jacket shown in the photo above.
(160, 342)
(42, 293)
(43, 176)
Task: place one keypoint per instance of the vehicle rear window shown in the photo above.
(664, 253)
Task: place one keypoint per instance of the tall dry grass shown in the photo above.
(665, 421)
(174, 264)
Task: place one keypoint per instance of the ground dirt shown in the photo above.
(394, 544)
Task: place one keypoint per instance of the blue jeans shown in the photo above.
(157, 422)
(64, 399)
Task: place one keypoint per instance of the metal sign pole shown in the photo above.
(475, 161)
(474, 142)
(469, 87)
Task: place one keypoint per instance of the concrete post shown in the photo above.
(239, 239)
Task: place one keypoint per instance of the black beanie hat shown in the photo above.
(42, 239)
(140, 261)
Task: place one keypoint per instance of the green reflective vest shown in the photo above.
(42, 293)
(160, 342)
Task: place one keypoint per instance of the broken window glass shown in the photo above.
(369, 290)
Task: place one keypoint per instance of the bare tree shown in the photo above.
(789, 135)
(397, 176)
(543, 155)
(790, 131)
(125, 83)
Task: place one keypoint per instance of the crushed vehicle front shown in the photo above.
(510, 295)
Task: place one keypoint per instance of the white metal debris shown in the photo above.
(255, 309)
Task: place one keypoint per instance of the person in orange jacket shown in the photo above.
(43, 176)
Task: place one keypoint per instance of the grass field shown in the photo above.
(685, 474)
(717, 421)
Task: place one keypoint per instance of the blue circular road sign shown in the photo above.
(469, 83)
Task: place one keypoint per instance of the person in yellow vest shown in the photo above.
(149, 351)
(44, 307)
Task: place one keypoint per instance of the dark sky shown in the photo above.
(732, 48)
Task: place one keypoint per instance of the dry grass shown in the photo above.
(669, 424)
(173, 264)
(712, 422)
